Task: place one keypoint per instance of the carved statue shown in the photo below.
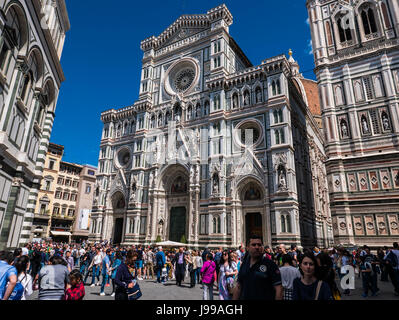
(246, 99)
(344, 129)
(365, 126)
(133, 189)
(385, 122)
(151, 179)
(235, 101)
(215, 187)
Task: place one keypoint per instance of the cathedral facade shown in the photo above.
(214, 149)
(355, 45)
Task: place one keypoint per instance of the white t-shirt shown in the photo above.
(25, 251)
(288, 275)
(82, 252)
(26, 281)
(97, 259)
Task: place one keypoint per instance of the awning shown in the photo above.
(60, 233)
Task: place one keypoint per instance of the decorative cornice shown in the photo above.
(188, 21)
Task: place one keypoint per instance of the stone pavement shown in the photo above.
(155, 291)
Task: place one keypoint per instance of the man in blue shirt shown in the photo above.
(160, 262)
(8, 275)
(105, 270)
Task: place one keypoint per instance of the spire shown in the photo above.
(294, 64)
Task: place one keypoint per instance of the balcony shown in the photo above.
(43, 215)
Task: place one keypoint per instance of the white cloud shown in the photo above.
(310, 47)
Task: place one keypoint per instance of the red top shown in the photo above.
(75, 293)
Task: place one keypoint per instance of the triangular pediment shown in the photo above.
(182, 34)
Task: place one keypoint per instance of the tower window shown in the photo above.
(344, 34)
(368, 20)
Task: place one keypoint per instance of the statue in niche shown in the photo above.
(160, 228)
(246, 98)
(344, 129)
(198, 112)
(365, 126)
(215, 186)
(151, 179)
(282, 180)
(160, 120)
(235, 101)
(133, 190)
(385, 122)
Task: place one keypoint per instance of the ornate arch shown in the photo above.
(243, 185)
(169, 173)
(23, 25)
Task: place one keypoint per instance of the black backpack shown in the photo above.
(393, 259)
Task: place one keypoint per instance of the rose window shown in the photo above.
(184, 79)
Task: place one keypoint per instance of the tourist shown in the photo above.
(368, 269)
(259, 278)
(288, 274)
(392, 265)
(126, 275)
(294, 254)
(75, 288)
(160, 263)
(17, 254)
(106, 270)
(70, 261)
(53, 279)
(116, 263)
(227, 272)
(218, 258)
(95, 268)
(198, 263)
(190, 267)
(208, 277)
(180, 261)
(24, 278)
(139, 262)
(309, 287)
(327, 273)
(8, 275)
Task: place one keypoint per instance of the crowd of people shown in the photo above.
(61, 271)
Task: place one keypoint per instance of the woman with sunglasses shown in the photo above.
(227, 272)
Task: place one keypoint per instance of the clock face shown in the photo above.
(184, 79)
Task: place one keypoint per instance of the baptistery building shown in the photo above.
(215, 148)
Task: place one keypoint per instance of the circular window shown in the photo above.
(251, 130)
(182, 76)
(184, 79)
(123, 157)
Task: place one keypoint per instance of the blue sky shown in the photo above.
(102, 55)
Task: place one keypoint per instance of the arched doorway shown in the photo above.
(252, 200)
(119, 209)
(173, 203)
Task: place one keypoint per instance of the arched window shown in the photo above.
(368, 20)
(288, 223)
(152, 123)
(278, 87)
(217, 102)
(277, 136)
(283, 225)
(167, 117)
(258, 94)
(216, 224)
(274, 89)
(275, 114)
(386, 15)
(206, 108)
(189, 113)
(26, 83)
(344, 34)
(282, 136)
(329, 35)
(13, 27)
(280, 115)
